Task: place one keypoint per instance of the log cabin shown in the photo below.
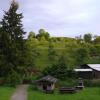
(88, 71)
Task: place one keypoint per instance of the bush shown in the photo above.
(29, 79)
(33, 87)
(13, 79)
(68, 83)
(92, 83)
(2, 81)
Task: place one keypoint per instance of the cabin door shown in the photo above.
(44, 87)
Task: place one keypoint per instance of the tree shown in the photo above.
(32, 52)
(81, 55)
(97, 40)
(58, 70)
(51, 53)
(31, 35)
(88, 37)
(12, 43)
(43, 33)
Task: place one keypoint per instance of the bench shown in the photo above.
(67, 90)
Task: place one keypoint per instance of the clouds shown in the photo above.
(60, 17)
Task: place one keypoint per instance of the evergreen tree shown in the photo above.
(11, 40)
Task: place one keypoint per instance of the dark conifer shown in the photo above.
(12, 39)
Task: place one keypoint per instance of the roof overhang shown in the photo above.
(83, 70)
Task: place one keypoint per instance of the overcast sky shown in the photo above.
(59, 17)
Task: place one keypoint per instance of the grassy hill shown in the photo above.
(62, 46)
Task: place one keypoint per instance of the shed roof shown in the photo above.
(83, 70)
(94, 66)
(48, 78)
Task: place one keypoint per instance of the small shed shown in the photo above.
(88, 71)
(46, 83)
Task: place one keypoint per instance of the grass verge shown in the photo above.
(6, 92)
(86, 94)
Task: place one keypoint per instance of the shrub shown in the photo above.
(13, 79)
(33, 87)
(92, 83)
(29, 79)
(68, 83)
(2, 81)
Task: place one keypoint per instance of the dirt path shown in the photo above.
(20, 93)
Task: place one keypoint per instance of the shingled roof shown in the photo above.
(48, 78)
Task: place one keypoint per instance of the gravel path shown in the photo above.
(20, 93)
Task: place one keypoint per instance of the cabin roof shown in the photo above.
(94, 66)
(48, 78)
(88, 68)
(83, 70)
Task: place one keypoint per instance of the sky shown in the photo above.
(66, 18)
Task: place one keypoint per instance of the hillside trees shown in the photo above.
(58, 70)
(51, 53)
(32, 52)
(42, 33)
(97, 40)
(31, 35)
(81, 55)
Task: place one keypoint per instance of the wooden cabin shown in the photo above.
(88, 71)
(46, 84)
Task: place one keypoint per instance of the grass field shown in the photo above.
(5, 93)
(86, 94)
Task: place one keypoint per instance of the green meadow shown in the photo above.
(6, 92)
(86, 94)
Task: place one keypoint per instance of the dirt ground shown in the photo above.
(20, 93)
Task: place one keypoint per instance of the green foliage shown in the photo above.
(51, 53)
(67, 83)
(50, 50)
(31, 35)
(41, 50)
(92, 83)
(12, 44)
(81, 55)
(43, 33)
(58, 70)
(13, 79)
(88, 38)
(29, 79)
(32, 51)
(2, 81)
(97, 40)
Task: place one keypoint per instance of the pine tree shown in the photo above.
(11, 40)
